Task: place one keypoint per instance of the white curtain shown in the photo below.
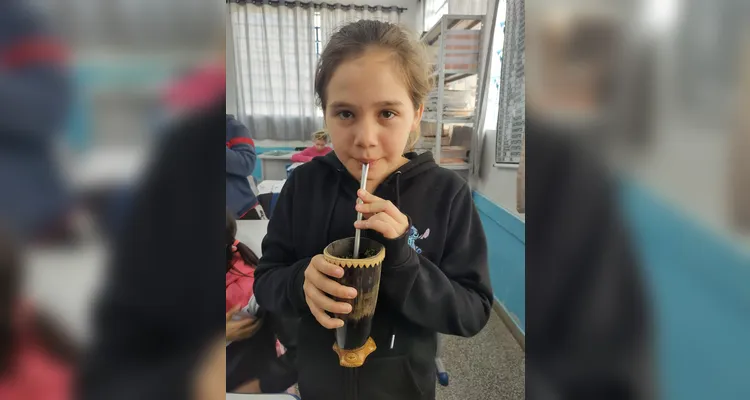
(332, 19)
(275, 57)
(275, 63)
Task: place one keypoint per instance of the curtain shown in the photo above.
(332, 18)
(276, 47)
(275, 63)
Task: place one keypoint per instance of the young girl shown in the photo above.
(36, 357)
(253, 363)
(319, 148)
(371, 82)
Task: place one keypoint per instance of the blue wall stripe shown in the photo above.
(700, 288)
(506, 237)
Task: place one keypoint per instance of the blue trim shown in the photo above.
(506, 247)
(501, 216)
(700, 296)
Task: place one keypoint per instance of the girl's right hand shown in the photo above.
(318, 283)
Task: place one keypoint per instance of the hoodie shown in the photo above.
(434, 279)
(240, 159)
(35, 93)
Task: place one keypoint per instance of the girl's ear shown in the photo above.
(417, 117)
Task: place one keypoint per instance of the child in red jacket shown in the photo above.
(256, 361)
(319, 148)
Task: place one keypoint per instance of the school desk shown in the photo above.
(274, 163)
(235, 396)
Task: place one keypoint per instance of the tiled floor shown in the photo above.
(490, 365)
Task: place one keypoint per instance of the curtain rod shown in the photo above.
(305, 4)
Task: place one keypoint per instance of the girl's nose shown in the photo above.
(366, 134)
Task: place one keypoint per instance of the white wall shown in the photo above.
(498, 184)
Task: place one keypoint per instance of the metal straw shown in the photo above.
(363, 186)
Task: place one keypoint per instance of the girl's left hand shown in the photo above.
(381, 216)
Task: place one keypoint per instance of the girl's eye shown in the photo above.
(345, 115)
(388, 114)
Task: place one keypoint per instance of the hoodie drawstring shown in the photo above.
(398, 205)
(398, 189)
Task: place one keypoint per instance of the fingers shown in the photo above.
(233, 311)
(326, 303)
(318, 283)
(383, 224)
(324, 319)
(320, 264)
(372, 204)
(248, 328)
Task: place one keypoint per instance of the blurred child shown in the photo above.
(319, 148)
(254, 362)
(36, 357)
(35, 95)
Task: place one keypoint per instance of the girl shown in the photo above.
(36, 357)
(319, 148)
(252, 348)
(371, 82)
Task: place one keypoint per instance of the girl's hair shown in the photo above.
(47, 333)
(247, 255)
(352, 40)
(320, 135)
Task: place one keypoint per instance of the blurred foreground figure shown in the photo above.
(34, 98)
(159, 327)
(37, 358)
(588, 327)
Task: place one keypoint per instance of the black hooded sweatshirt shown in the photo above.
(435, 277)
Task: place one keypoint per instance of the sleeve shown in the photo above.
(454, 297)
(303, 156)
(240, 152)
(35, 87)
(280, 274)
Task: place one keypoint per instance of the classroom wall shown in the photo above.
(495, 198)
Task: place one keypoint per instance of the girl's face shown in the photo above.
(369, 115)
(320, 144)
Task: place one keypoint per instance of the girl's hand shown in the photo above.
(241, 329)
(381, 216)
(318, 283)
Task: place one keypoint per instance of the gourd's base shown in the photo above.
(356, 357)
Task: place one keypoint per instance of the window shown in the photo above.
(511, 111)
(318, 34)
(493, 92)
(433, 10)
